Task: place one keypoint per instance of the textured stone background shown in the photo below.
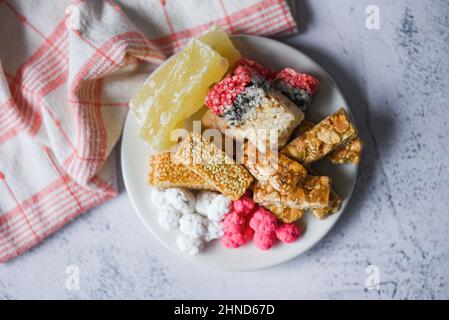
(396, 80)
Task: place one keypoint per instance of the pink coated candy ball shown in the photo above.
(263, 221)
(243, 206)
(264, 241)
(288, 232)
(235, 240)
(233, 223)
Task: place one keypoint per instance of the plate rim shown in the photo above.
(277, 262)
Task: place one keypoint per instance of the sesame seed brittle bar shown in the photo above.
(165, 173)
(322, 139)
(312, 192)
(281, 172)
(213, 165)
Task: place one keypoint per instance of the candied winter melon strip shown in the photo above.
(176, 92)
(141, 101)
(217, 39)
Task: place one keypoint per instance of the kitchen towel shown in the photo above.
(67, 70)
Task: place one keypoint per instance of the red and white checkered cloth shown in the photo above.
(67, 70)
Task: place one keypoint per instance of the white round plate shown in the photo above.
(329, 99)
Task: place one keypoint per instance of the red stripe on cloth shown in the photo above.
(24, 20)
(102, 104)
(19, 207)
(258, 9)
(57, 202)
(259, 24)
(38, 72)
(50, 198)
(287, 14)
(15, 228)
(227, 17)
(48, 47)
(27, 104)
(8, 116)
(85, 116)
(56, 220)
(34, 199)
(60, 173)
(172, 35)
(267, 24)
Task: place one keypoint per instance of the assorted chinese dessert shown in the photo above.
(260, 191)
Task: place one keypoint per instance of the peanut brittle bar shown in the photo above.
(213, 165)
(311, 192)
(349, 152)
(304, 126)
(164, 173)
(281, 172)
(251, 107)
(285, 214)
(333, 207)
(324, 138)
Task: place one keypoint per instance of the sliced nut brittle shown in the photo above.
(333, 207)
(283, 173)
(322, 139)
(311, 192)
(350, 152)
(285, 214)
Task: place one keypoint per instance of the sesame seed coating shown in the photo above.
(213, 165)
(164, 173)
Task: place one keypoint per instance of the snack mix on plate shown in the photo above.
(204, 194)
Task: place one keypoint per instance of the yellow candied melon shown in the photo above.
(217, 39)
(176, 91)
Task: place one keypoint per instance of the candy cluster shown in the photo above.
(247, 221)
(198, 218)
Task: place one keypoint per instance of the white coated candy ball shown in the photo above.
(218, 208)
(190, 245)
(214, 230)
(203, 201)
(169, 218)
(193, 225)
(181, 199)
(157, 198)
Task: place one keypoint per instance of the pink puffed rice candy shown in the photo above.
(288, 232)
(233, 223)
(235, 240)
(263, 221)
(244, 206)
(264, 241)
